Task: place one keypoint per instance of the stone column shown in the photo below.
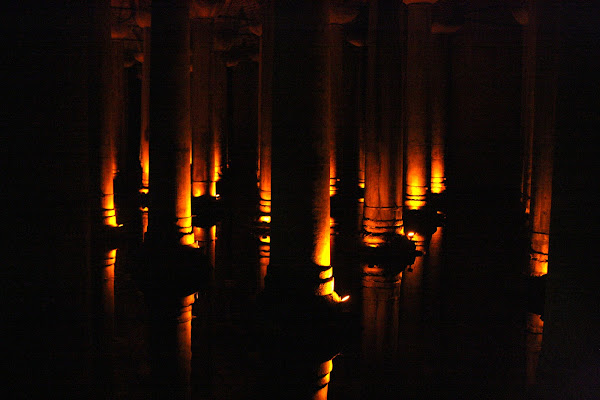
(171, 263)
(170, 140)
(438, 103)
(417, 175)
(143, 19)
(538, 124)
(300, 242)
(104, 122)
(382, 120)
(338, 15)
(265, 112)
(203, 160)
(218, 115)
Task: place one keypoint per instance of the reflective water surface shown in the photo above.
(452, 325)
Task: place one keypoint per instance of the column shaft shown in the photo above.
(382, 117)
(335, 57)
(145, 111)
(203, 160)
(417, 142)
(300, 158)
(438, 100)
(265, 111)
(170, 140)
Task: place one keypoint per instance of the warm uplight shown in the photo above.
(322, 254)
(373, 241)
(345, 298)
(437, 184)
(265, 239)
(361, 185)
(410, 235)
(144, 190)
(265, 219)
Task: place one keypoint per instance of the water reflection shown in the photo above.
(392, 339)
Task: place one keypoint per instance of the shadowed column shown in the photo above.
(538, 116)
(171, 264)
(300, 259)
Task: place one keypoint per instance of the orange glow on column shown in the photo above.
(265, 219)
(264, 257)
(534, 335)
(145, 111)
(321, 255)
(416, 188)
(417, 149)
(438, 181)
(538, 264)
(438, 95)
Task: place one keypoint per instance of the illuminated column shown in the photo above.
(170, 195)
(218, 116)
(300, 242)
(338, 15)
(143, 18)
(206, 96)
(203, 160)
(438, 103)
(382, 120)
(417, 144)
(265, 112)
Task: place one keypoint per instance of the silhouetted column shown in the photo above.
(170, 140)
(300, 251)
(104, 96)
(417, 142)
(169, 277)
(522, 16)
(569, 359)
(382, 116)
(538, 117)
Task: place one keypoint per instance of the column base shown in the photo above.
(207, 211)
(165, 271)
(424, 221)
(395, 253)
